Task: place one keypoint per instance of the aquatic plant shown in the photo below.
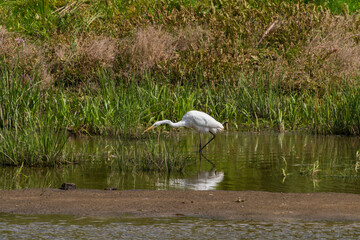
(32, 146)
(153, 157)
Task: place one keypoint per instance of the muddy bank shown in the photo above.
(240, 205)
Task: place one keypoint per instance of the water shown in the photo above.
(69, 227)
(233, 161)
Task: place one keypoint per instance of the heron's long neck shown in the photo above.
(177, 124)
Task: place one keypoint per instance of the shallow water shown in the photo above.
(233, 161)
(69, 227)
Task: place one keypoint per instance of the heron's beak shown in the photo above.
(148, 129)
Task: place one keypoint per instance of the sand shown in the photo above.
(227, 205)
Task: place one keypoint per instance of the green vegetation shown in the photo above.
(30, 146)
(113, 67)
(338, 6)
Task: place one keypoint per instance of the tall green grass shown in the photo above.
(120, 108)
(32, 145)
(30, 134)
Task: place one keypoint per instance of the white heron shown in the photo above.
(197, 120)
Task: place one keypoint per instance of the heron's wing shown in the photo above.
(200, 119)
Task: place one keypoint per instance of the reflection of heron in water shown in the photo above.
(202, 181)
(201, 155)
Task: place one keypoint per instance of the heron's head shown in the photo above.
(153, 126)
(156, 124)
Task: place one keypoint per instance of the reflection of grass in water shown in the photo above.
(310, 170)
(357, 164)
(25, 177)
(152, 157)
(316, 170)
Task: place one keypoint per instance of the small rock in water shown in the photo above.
(68, 186)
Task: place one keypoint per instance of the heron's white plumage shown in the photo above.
(200, 121)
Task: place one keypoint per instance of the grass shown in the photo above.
(338, 6)
(32, 147)
(119, 109)
(180, 41)
(112, 68)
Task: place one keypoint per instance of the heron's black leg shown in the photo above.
(201, 148)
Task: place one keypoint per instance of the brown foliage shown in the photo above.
(18, 52)
(300, 44)
(77, 61)
(336, 49)
(330, 53)
(152, 46)
(147, 47)
(192, 38)
(98, 49)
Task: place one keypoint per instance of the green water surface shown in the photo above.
(287, 162)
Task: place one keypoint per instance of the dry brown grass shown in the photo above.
(336, 49)
(147, 47)
(152, 46)
(331, 52)
(192, 38)
(6, 42)
(74, 61)
(18, 52)
(91, 49)
(300, 44)
(98, 49)
(78, 60)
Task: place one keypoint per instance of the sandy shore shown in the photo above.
(243, 205)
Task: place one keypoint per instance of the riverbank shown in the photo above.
(252, 65)
(227, 205)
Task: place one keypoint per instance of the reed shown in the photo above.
(32, 146)
(117, 108)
